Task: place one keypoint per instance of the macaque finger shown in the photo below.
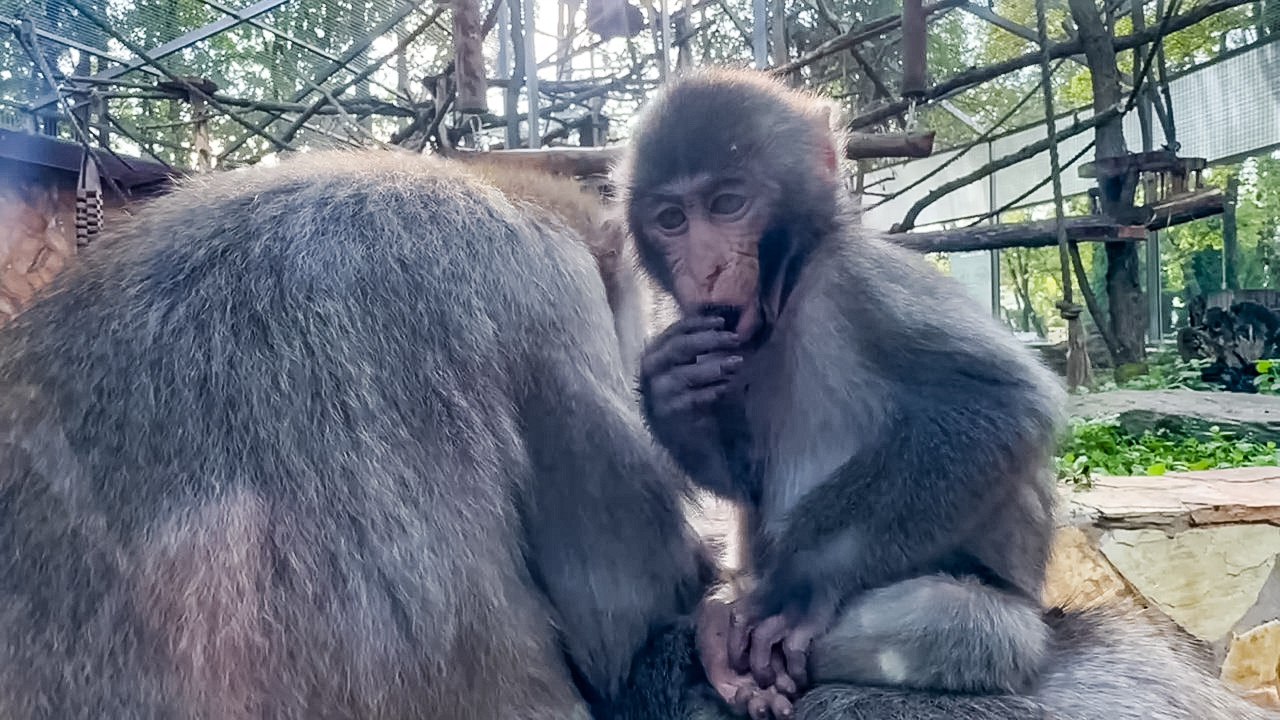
(699, 398)
(763, 638)
(760, 706)
(782, 681)
(739, 641)
(685, 349)
(708, 370)
(795, 650)
(781, 707)
(692, 324)
(711, 635)
(661, 358)
(742, 698)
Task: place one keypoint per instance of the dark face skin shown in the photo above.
(708, 230)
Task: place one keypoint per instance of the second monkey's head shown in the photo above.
(730, 180)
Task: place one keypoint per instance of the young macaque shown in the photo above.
(886, 440)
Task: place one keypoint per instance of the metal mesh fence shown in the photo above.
(264, 57)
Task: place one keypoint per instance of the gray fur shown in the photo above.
(345, 438)
(1112, 663)
(892, 431)
(895, 634)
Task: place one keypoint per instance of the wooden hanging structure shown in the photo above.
(182, 88)
(468, 58)
(88, 201)
(1079, 372)
(914, 50)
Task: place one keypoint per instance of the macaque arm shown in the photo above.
(894, 508)
(604, 533)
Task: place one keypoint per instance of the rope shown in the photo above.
(1068, 310)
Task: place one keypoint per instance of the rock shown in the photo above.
(1184, 411)
(1178, 500)
(1251, 663)
(1079, 577)
(1204, 579)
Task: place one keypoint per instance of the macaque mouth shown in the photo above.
(730, 313)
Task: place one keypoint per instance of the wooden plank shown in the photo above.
(580, 161)
(1091, 228)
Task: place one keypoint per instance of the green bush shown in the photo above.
(1102, 446)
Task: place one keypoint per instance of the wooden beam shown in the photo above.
(1092, 228)
(580, 161)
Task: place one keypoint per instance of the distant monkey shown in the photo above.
(345, 438)
(888, 442)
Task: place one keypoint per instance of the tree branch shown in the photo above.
(856, 35)
(977, 76)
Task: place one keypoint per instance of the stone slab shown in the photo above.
(1178, 500)
(1205, 579)
(1079, 577)
(1188, 411)
(1251, 663)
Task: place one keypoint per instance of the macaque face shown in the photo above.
(708, 232)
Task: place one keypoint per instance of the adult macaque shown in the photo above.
(555, 198)
(887, 442)
(348, 437)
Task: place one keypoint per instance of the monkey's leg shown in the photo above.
(934, 633)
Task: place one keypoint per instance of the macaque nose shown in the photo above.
(730, 313)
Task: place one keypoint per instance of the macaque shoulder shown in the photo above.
(867, 307)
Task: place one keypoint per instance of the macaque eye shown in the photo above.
(671, 218)
(727, 203)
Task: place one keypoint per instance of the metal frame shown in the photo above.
(178, 44)
(15, 23)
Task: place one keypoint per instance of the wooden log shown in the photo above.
(1092, 228)
(580, 161)
(468, 57)
(865, 146)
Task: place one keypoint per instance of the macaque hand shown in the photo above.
(778, 649)
(684, 370)
(721, 661)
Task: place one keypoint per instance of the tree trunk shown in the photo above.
(1230, 246)
(1126, 302)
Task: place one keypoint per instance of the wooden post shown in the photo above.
(914, 60)
(1125, 301)
(1079, 372)
(195, 91)
(531, 71)
(760, 33)
(1230, 244)
(200, 134)
(468, 58)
